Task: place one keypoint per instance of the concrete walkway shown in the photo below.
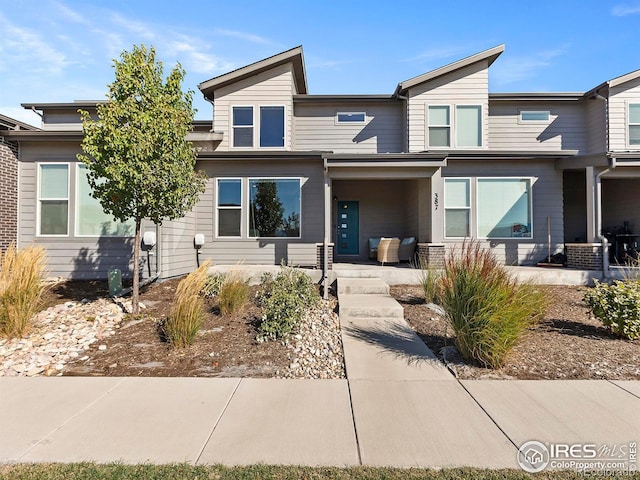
(399, 407)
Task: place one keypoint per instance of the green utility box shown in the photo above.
(114, 276)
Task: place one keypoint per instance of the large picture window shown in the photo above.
(229, 207)
(272, 126)
(504, 207)
(91, 220)
(274, 207)
(634, 124)
(53, 199)
(457, 207)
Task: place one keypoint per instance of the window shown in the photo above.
(457, 207)
(53, 199)
(274, 207)
(351, 117)
(439, 126)
(91, 220)
(634, 124)
(272, 126)
(243, 126)
(534, 116)
(229, 206)
(468, 126)
(504, 207)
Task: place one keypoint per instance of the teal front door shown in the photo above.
(347, 228)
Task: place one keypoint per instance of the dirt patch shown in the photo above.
(225, 347)
(566, 344)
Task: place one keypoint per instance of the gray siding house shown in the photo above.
(308, 179)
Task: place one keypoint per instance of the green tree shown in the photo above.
(266, 209)
(138, 160)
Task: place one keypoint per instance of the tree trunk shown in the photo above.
(135, 300)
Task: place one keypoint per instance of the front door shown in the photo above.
(348, 235)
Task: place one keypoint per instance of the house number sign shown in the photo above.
(435, 201)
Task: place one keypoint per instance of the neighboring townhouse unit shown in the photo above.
(309, 179)
(9, 181)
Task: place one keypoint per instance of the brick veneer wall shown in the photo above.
(431, 255)
(8, 193)
(320, 256)
(585, 256)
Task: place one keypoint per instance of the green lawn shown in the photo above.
(183, 471)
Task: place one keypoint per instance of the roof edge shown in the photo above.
(490, 54)
(293, 55)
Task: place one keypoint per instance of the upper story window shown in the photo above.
(439, 120)
(351, 117)
(634, 124)
(541, 116)
(53, 199)
(270, 127)
(243, 127)
(468, 126)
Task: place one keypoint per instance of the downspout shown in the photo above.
(601, 237)
(325, 266)
(213, 111)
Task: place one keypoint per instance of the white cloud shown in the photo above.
(27, 50)
(438, 53)
(69, 13)
(248, 37)
(623, 10)
(139, 28)
(518, 68)
(196, 59)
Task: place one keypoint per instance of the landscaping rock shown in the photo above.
(60, 334)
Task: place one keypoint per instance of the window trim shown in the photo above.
(455, 125)
(469, 208)
(539, 122)
(248, 221)
(630, 145)
(217, 208)
(76, 214)
(40, 199)
(233, 127)
(428, 125)
(354, 122)
(530, 196)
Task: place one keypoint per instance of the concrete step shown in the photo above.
(368, 305)
(362, 286)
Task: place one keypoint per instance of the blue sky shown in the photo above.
(62, 50)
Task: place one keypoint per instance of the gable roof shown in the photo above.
(490, 55)
(13, 124)
(293, 56)
(614, 82)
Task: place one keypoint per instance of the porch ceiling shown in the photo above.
(384, 165)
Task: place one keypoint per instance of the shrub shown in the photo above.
(20, 288)
(430, 282)
(617, 306)
(285, 299)
(486, 307)
(187, 312)
(212, 285)
(233, 294)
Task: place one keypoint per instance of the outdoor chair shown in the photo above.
(388, 250)
(407, 248)
(373, 247)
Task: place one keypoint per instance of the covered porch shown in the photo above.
(373, 196)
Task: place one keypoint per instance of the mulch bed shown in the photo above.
(225, 347)
(566, 344)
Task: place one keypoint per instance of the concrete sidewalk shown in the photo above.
(399, 407)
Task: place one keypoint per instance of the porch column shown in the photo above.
(327, 233)
(592, 201)
(436, 207)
